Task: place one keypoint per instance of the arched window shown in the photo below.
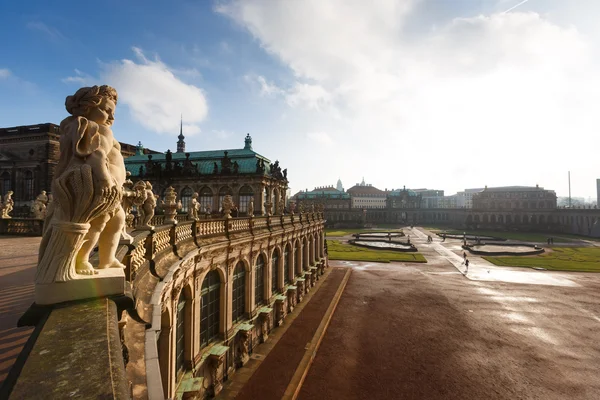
(186, 197)
(297, 258)
(245, 194)
(259, 281)
(275, 272)
(224, 191)
(28, 186)
(205, 198)
(180, 334)
(5, 182)
(210, 310)
(239, 292)
(286, 265)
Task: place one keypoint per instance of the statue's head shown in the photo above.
(44, 192)
(148, 185)
(96, 103)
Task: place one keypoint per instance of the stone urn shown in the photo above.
(170, 206)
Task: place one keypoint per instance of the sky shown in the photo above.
(439, 94)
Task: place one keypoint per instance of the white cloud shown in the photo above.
(4, 73)
(501, 89)
(51, 33)
(153, 93)
(320, 137)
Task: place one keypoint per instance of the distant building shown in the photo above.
(430, 198)
(465, 199)
(514, 197)
(403, 198)
(366, 196)
(339, 186)
(330, 197)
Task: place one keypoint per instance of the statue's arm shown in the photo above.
(85, 136)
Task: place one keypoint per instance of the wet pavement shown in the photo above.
(426, 331)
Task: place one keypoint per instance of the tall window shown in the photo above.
(180, 334)
(206, 198)
(210, 309)
(28, 182)
(239, 292)
(245, 194)
(5, 182)
(186, 197)
(259, 281)
(275, 271)
(224, 191)
(286, 265)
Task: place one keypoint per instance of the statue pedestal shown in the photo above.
(108, 282)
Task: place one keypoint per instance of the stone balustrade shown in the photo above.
(162, 265)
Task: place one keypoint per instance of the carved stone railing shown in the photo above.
(149, 260)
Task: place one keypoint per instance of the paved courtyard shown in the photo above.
(18, 259)
(409, 331)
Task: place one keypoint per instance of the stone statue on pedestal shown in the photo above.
(88, 186)
(193, 207)
(251, 207)
(7, 205)
(40, 206)
(146, 204)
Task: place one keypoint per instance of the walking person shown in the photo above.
(466, 266)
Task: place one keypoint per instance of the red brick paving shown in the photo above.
(18, 259)
(274, 374)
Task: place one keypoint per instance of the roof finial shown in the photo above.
(181, 142)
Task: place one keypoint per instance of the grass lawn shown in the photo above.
(347, 252)
(583, 259)
(350, 231)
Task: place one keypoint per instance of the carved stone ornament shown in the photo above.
(170, 206)
(227, 205)
(194, 207)
(88, 188)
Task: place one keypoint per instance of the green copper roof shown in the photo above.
(204, 160)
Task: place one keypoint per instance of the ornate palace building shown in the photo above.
(241, 173)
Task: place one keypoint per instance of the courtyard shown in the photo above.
(401, 330)
(428, 331)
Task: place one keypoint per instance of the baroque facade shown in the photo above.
(240, 173)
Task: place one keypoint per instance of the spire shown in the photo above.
(181, 142)
(139, 149)
(248, 142)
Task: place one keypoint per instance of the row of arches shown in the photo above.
(225, 298)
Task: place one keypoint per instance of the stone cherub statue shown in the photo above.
(251, 207)
(227, 205)
(193, 207)
(146, 204)
(88, 187)
(7, 205)
(40, 206)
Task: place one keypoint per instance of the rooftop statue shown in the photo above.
(87, 191)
